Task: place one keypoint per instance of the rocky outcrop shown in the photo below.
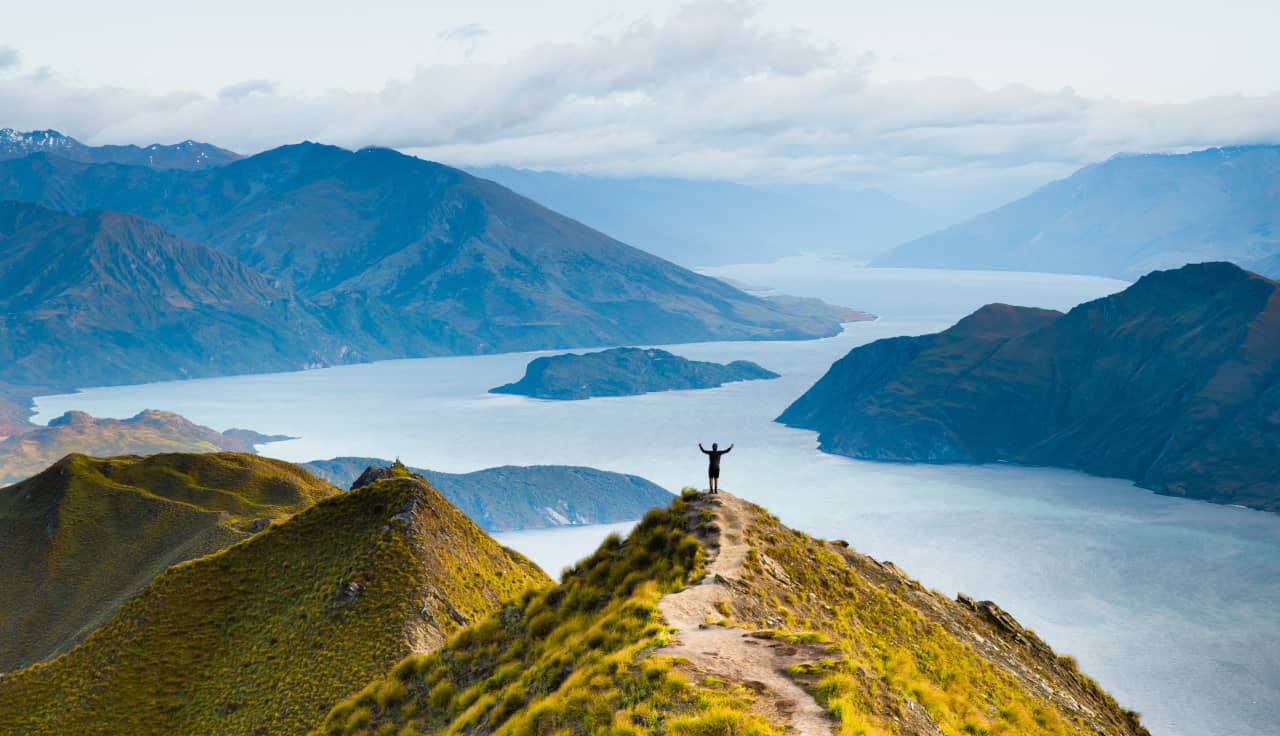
(625, 372)
(1173, 383)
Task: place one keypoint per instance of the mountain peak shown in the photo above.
(713, 617)
(1169, 383)
(188, 154)
(262, 636)
(1125, 217)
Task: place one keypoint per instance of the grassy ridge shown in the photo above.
(578, 658)
(81, 537)
(905, 654)
(264, 636)
(568, 659)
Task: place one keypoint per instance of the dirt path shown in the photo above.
(731, 653)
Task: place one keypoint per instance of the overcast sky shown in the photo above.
(924, 98)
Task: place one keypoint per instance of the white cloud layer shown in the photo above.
(707, 92)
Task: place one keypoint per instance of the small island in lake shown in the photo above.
(625, 372)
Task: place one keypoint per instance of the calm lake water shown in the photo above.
(1173, 605)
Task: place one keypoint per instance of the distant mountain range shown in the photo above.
(1124, 217)
(312, 255)
(1173, 383)
(709, 223)
(515, 497)
(184, 155)
(26, 454)
(106, 297)
(625, 372)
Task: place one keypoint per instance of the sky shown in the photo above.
(929, 100)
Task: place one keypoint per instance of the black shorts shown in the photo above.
(714, 473)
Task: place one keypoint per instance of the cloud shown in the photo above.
(707, 92)
(469, 32)
(247, 88)
(9, 57)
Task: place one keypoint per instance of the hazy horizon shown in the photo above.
(933, 104)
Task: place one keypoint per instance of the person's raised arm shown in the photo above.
(727, 449)
(700, 447)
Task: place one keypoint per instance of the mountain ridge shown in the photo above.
(664, 631)
(1173, 383)
(188, 154)
(405, 250)
(142, 302)
(227, 643)
(80, 538)
(147, 433)
(510, 498)
(706, 222)
(1124, 217)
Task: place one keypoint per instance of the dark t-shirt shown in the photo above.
(713, 456)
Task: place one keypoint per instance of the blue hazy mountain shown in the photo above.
(185, 155)
(705, 223)
(1124, 217)
(421, 258)
(109, 297)
(515, 497)
(1173, 383)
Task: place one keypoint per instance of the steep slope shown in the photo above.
(79, 539)
(625, 372)
(184, 155)
(707, 223)
(713, 618)
(1124, 217)
(424, 258)
(105, 297)
(147, 433)
(515, 497)
(1173, 383)
(264, 636)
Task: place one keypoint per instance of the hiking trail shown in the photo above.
(729, 652)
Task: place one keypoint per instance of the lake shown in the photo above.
(1172, 605)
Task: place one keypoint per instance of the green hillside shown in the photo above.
(684, 628)
(265, 635)
(81, 537)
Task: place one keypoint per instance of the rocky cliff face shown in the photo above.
(1173, 383)
(625, 372)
